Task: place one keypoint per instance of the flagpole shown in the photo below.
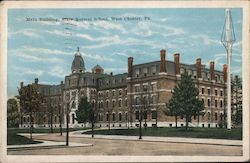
(228, 38)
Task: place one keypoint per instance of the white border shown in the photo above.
(123, 4)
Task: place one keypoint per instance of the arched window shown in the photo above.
(221, 103)
(113, 103)
(126, 116)
(208, 102)
(215, 116)
(113, 115)
(120, 103)
(24, 119)
(120, 116)
(107, 104)
(208, 116)
(107, 116)
(221, 116)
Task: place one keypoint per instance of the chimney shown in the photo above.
(225, 72)
(130, 65)
(163, 60)
(61, 82)
(36, 80)
(198, 67)
(21, 84)
(177, 63)
(212, 73)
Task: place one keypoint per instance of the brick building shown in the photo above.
(119, 96)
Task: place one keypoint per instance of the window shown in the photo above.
(120, 92)
(44, 119)
(154, 99)
(154, 87)
(145, 88)
(202, 90)
(126, 116)
(216, 92)
(221, 116)
(126, 92)
(113, 93)
(194, 117)
(137, 115)
(203, 101)
(215, 103)
(208, 102)
(154, 114)
(221, 93)
(208, 116)
(221, 103)
(208, 91)
(137, 73)
(107, 116)
(113, 104)
(28, 119)
(215, 116)
(93, 103)
(153, 70)
(137, 88)
(120, 103)
(107, 94)
(107, 104)
(137, 101)
(145, 71)
(120, 116)
(126, 102)
(55, 119)
(113, 116)
(24, 119)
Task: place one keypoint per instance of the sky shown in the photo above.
(42, 42)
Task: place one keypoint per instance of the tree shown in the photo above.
(93, 114)
(12, 113)
(185, 99)
(236, 104)
(173, 108)
(82, 113)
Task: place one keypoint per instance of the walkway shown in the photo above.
(46, 143)
(163, 139)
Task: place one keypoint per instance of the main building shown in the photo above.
(118, 97)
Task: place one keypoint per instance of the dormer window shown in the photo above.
(137, 73)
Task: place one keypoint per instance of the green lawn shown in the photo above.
(14, 139)
(216, 133)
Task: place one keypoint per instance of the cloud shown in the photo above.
(97, 57)
(27, 71)
(39, 51)
(146, 29)
(108, 26)
(205, 39)
(57, 71)
(26, 32)
(116, 70)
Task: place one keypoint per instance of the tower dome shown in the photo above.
(78, 63)
(97, 69)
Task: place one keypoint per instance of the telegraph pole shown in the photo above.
(227, 39)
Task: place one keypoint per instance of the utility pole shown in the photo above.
(227, 39)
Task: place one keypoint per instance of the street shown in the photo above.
(126, 147)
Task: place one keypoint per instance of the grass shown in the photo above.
(215, 133)
(14, 139)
